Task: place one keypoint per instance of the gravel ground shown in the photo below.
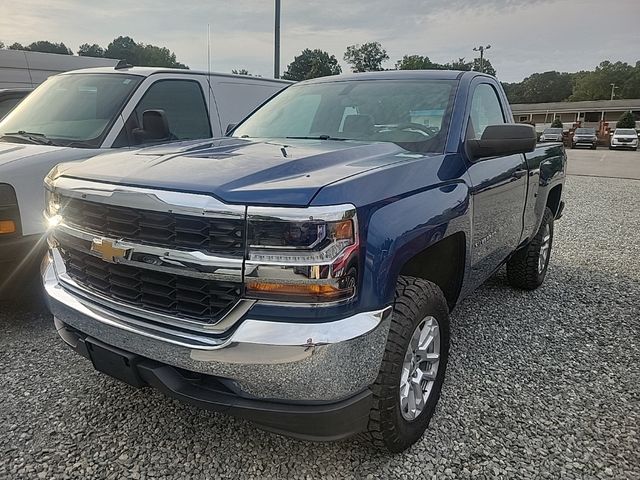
(540, 385)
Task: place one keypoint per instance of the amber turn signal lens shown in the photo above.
(7, 226)
(344, 230)
(295, 290)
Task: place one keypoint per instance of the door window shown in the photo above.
(183, 103)
(485, 111)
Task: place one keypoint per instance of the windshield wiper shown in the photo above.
(35, 138)
(319, 137)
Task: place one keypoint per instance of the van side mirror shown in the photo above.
(155, 127)
(230, 128)
(502, 140)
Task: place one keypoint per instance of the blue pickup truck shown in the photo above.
(300, 271)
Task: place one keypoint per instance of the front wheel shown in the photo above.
(408, 386)
(528, 266)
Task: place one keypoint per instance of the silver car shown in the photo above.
(551, 135)
(624, 138)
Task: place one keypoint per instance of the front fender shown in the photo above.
(398, 231)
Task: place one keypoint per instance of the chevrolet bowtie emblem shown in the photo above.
(107, 250)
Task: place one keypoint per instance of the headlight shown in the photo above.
(303, 255)
(52, 202)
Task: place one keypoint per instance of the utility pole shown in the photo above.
(276, 53)
(481, 49)
(613, 88)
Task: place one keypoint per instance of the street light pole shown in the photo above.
(276, 52)
(613, 88)
(481, 49)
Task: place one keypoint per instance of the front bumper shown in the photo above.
(631, 144)
(305, 364)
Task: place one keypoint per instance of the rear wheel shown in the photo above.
(413, 367)
(528, 266)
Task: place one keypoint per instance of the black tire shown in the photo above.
(415, 299)
(523, 268)
(594, 147)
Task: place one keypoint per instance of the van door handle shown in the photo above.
(519, 174)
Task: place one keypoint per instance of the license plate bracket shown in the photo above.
(114, 362)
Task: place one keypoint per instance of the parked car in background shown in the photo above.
(551, 135)
(300, 272)
(79, 114)
(624, 138)
(10, 97)
(585, 137)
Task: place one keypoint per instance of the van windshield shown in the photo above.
(413, 114)
(74, 110)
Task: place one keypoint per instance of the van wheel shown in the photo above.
(528, 266)
(408, 386)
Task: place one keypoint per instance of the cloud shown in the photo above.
(526, 35)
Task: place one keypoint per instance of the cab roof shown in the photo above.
(147, 71)
(401, 75)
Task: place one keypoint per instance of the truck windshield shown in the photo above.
(74, 110)
(411, 113)
(553, 131)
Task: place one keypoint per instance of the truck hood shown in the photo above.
(12, 152)
(265, 172)
(14, 156)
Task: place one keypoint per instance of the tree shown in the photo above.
(312, 64)
(596, 85)
(126, 48)
(45, 46)
(557, 123)
(486, 66)
(17, 46)
(549, 86)
(460, 64)
(86, 50)
(367, 57)
(241, 71)
(1, 45)
(153, 56)
(417, 62)
(626, 121)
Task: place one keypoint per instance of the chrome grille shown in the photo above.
(222, 236)
(198, 299)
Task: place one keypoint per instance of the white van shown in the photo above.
(79, 114)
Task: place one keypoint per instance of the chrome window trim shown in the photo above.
(145, 198)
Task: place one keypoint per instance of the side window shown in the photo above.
(485, 111)
(185, 107)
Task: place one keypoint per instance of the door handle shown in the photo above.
(519, 174)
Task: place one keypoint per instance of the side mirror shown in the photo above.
(502, 140)
(230, 128)
(155, 127)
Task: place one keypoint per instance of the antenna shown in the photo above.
(209, 90)
(209, 62)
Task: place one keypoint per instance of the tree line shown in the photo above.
(596, 84)
(121, 48)
(549, 86)
(370, 57)
(552, 86)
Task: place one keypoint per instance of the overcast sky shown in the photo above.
(526, 36)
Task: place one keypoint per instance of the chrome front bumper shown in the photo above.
(323, 362)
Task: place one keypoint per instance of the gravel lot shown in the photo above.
(540, 385)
